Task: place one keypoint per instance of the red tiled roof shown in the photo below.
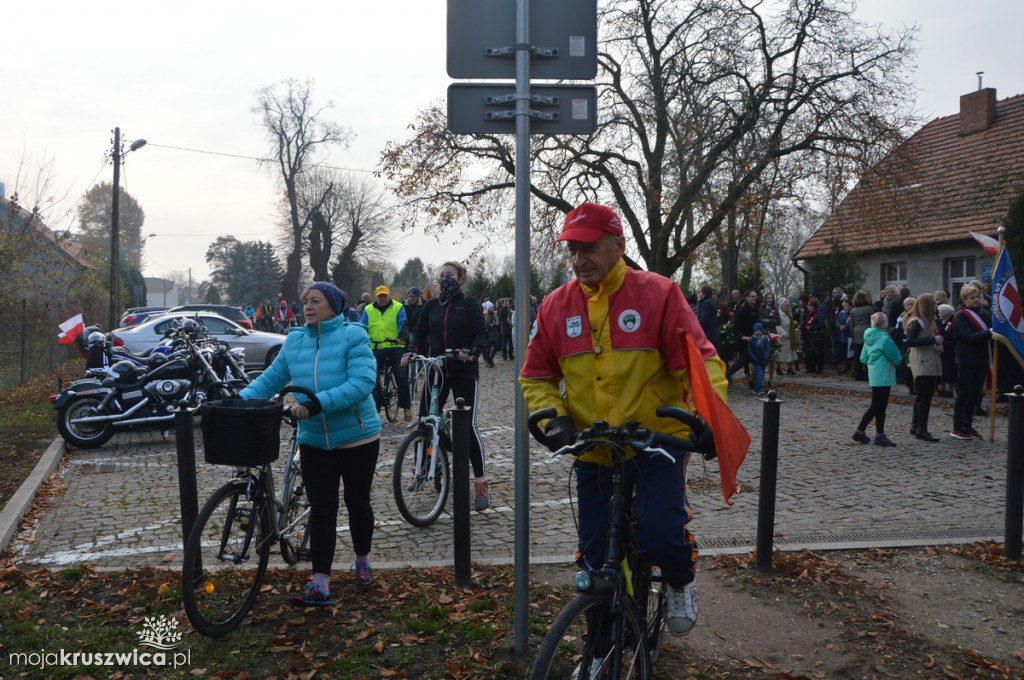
(933, 189)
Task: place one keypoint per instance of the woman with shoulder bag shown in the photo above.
(925, 347)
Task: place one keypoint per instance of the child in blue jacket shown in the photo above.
(759, 349)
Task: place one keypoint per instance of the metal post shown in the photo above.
(188, 495)
(24, 340)
(1014, 512)
(115, 235)
(462, 429)
(769, 473)
(521, 589)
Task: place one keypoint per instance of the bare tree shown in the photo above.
(697, 101)
(298, 134)
(359, 223)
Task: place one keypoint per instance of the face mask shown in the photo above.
(449, 287)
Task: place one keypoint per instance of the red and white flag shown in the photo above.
(71, 329)
(989, 244)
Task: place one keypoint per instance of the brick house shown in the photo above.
(907, 220)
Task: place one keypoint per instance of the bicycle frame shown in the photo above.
(434, 421)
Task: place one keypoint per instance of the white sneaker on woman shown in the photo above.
(682, 608)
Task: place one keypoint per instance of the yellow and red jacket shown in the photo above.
(634, 317)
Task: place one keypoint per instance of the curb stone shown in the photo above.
(23, 498)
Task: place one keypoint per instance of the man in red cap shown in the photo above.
(612, 336)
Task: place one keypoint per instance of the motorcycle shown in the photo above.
(126, 395)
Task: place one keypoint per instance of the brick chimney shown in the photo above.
(977, 111)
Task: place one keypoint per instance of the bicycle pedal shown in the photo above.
(303, 555)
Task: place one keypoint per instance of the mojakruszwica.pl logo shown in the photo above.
(159, 638)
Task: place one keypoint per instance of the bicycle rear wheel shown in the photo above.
(583, 637)
(389, 396)
(232, 538)
(293, 518)
(421, 499)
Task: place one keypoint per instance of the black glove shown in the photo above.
(559, 432)
(706, 443)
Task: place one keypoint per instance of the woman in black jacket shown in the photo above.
(454, 321)
(971, 326)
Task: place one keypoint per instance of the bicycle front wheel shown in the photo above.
(584, 637)
(232, 539)
(651, 595)
(421, 478)
(389, 396)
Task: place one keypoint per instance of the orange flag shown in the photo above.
(731, 439)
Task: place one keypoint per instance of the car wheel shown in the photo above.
(271, 355)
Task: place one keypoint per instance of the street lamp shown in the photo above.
(115, 235)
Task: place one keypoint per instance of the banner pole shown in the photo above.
(992, 393)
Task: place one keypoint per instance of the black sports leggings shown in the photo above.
(322, 473)
(879, 402)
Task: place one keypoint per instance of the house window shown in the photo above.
(959, 270)
(894, 274)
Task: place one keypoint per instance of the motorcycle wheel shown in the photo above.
(82, 435)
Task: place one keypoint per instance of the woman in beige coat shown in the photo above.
(925, 346)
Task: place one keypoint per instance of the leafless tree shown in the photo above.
(299, 134)
(697, 101)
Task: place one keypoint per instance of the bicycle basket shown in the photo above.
(241, 431)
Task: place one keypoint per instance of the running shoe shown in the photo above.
(311, 595)
(483, 495)
(363, 574)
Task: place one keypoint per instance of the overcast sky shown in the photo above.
(185, 74)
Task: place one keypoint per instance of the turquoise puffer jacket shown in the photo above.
(334, 360)
(881, 356)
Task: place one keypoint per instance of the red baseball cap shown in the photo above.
(589, 222)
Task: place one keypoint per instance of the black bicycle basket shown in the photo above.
(241, 431)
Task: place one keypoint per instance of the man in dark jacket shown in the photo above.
(707, 315)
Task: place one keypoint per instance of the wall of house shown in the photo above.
(928, 269)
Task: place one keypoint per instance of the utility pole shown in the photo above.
(115, 236)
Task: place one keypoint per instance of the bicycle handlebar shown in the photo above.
(632, 435)
(313, 405)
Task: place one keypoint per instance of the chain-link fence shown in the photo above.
(28, 341)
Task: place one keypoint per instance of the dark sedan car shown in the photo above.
(227, 311)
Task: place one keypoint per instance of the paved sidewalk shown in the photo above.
(121, 505)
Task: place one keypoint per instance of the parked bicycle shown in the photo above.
(614, 627)
(227, 550)
(385, 391)
(422, 472)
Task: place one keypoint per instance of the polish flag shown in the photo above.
(71, 329)
(989, 244)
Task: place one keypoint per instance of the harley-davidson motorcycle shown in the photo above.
(129, 395)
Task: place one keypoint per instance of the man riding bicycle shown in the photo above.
(612, 336)
(385, 323)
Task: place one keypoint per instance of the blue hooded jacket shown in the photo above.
(333, 359)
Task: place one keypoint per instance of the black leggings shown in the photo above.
(322, 473)
(879, 402)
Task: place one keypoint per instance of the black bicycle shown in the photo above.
(385, 391)
(615, 626)
(227, 551)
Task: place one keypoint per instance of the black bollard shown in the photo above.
(462, 428)
(769, 473)
(1012, 525)
(188, 494)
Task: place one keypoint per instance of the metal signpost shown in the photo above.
(505, 39)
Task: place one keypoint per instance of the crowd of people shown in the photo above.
(923, 342)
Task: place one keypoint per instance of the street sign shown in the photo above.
(489, 108)
(482, 37)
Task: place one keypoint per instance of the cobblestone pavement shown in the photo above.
(121, 503)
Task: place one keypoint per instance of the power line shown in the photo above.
(248, 158)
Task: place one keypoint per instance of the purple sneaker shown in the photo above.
(859, 436)
(882, 440)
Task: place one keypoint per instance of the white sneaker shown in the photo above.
(682, 608)
(595, 666)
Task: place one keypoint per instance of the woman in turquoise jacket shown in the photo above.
(331, 356)
(881, 356)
